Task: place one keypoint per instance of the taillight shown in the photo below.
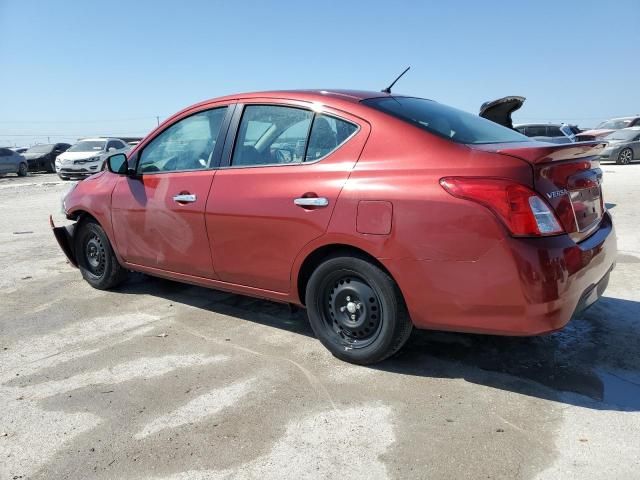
(521, 209)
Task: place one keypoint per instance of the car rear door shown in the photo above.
(158, 216)
(283, 168)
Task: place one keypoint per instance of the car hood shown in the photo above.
(616, 143)
(32, 156)
(597, 132)
(500, 110)
(78, 155)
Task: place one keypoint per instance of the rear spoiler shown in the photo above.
(539, 152)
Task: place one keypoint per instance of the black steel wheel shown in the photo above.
(22, 170)
(96, 260)
(625, 156)
(352, 309)
(356, 310)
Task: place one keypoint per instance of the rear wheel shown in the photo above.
(22, 170)
(356, 310)
(51, 166)
(625, 156)
(96, 260)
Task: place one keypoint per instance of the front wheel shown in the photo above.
(22, 170)
(96, 260)
(625, 156)
(356, 310)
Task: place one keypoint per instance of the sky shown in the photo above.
(71, 69)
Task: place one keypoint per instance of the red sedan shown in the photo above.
(377, 212)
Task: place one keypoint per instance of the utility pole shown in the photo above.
(158, 119)
(48, 140)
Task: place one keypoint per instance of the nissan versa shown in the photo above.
(377, 212)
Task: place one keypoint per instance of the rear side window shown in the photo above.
(271, 134)
(185, 145)
(327, 134)
(444, 121)
(5, 152)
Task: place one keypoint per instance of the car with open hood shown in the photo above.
(87, 156)
(377, 212)
(607, 127)
(623, 146)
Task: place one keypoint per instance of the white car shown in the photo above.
(87, 156)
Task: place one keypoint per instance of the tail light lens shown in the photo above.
(521, 209)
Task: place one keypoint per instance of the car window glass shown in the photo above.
(537, 131)
(271, 134)
(4, 152)
(327, 134)
(553, 131)
(185, 145)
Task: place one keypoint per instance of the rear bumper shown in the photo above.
(64, 237)
(520, 287)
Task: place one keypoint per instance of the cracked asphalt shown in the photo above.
(159, 380)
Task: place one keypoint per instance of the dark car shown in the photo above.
(12, 162)
(623, 146)
(43, 157)
(377, 212)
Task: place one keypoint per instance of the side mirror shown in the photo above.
(118, 164)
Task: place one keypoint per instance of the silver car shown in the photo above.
(623, 146)
(12, 162)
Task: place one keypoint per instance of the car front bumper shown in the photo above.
(64, 237)
(520, 287)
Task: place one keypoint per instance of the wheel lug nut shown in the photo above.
(353, 317)
(343, 308)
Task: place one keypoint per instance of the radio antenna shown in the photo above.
(388, 89)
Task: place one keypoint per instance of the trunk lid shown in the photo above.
(568, 177)
(500, 110)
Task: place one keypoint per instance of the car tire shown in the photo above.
(96, 260)
(356, 310)
(51, 166)
(23, 169)
(625, 156)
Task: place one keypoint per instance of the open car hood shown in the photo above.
(500, 110)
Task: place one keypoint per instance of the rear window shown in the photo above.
(447, 122)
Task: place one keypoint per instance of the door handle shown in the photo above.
(311, 202)
(185, 198)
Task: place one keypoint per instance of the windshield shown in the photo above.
(444, 121)
(614, 124)
(40, 149)
(622, 135)
(88, 146)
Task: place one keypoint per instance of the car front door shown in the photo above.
(5, 160)
(158, 214)
(277, 188)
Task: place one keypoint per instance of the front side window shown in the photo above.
(271, 134)
(185, 145)
(444, 121)
(553, 131)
